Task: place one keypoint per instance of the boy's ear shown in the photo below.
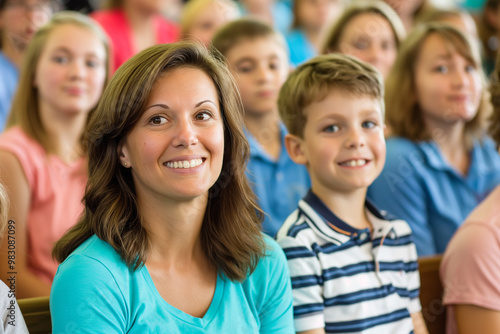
(294, 148)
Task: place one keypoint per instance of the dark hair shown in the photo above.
(495, 101)
(230, 233)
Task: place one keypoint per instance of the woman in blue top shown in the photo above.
(440, 164)
(170, 239)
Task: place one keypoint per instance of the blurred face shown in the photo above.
(369, 37)
(213, 16)
(20, 19)
(343, 146)
(260, 67)
(71, 71)
(149, 6)
(405, 8)
(316, 14)
(176, 148)
(448, 86)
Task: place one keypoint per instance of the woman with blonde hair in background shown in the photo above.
(42, 161)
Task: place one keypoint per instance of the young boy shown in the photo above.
(257, 57)
(352, 269)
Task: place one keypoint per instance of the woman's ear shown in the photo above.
(294, 147)
(123, 155)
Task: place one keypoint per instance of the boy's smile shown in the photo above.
(343, 145)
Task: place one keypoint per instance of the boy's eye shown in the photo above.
(245, 68)
(157, 120)
(369, 124)
(332, 128)
(203, 116)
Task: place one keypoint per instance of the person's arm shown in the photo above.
(19, 193)
(86, 298)
(419, 326)
(472, 319)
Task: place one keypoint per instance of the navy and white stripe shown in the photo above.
(349, 280)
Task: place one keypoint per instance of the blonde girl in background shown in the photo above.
(201, 18)
(42, 161)
(368, 30)
(440, 163)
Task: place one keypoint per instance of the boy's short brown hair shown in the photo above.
(236, 31)
(313, 80)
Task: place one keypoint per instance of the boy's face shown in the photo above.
(343, 146)
(260, 67)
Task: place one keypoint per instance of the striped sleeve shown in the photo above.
(307, 284)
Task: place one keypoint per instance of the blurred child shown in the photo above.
(201, 18)
(470, 269)
(12, 320)
(257, 57)
(134, 25)
(409, 10)
(42, 161)
(311, 17)
(19, 20)
(276, 13)
(353, 269)
(440, 165)
(489, 33)
(457, 18)
(368, 30)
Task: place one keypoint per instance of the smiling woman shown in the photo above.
(170, 236)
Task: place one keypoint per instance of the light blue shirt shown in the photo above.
(301, 50)
(419, 186)
(9, 77)
(278, 184)
(95, 291)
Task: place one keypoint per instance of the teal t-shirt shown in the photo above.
(94, 291)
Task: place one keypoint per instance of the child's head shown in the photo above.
(20, 19)
(457, 18)
(65, 70)
(370, 31)
(315, 14)
(495, 101)
(201, 18)
(258, 58)
(333, 108)
(437, 79)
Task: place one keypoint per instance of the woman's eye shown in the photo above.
(91, 63)
(157, 120)
(60, 59)
(360, 44)
(203, 116)
(470, 68)
(441, 69)
(332, 128)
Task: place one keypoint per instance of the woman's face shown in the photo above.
(448, 86)
(71, 71)
(370, 38)
(176, 149)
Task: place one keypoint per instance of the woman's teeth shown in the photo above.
(185, 163)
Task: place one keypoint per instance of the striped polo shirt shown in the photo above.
(348, 280)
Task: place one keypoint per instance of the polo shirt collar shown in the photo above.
(256, 150)
(335, 229)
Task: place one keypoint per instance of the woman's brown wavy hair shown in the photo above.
(230, 233)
